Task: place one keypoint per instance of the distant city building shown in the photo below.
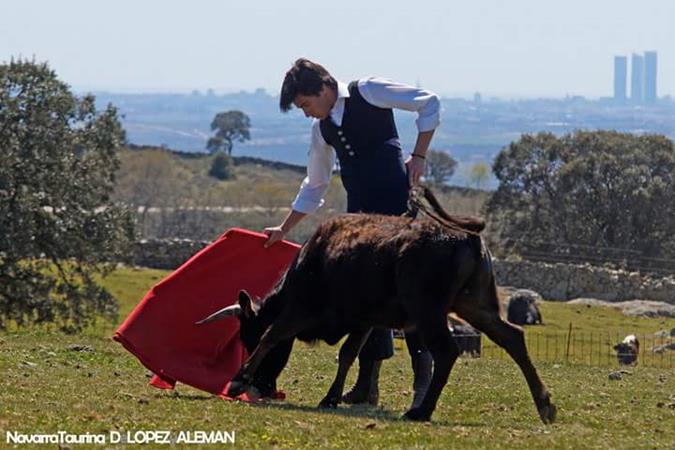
(650, 77)
(477, 98)
(620, 75)
(637, 78)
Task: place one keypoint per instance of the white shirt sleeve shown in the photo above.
(319, 171)
(384, 93)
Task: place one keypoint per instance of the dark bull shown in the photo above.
(362, 271)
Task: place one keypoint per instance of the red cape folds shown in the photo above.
(161, 330)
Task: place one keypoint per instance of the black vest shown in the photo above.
(370, 157)
(364, 125)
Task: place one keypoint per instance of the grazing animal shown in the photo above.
(362, 271)
(628, 350)
(522, 308)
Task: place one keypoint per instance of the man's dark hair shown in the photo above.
(304, 78)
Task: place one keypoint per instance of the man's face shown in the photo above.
(317, 106)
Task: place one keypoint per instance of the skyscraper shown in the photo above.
(620, 73)
(637, 78)
(650, 77)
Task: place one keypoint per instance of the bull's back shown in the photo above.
(356, 264)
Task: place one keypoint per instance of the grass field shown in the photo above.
(87, 383)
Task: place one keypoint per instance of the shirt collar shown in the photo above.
(339, 108)
(342, 90)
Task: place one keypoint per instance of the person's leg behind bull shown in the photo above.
(366, 389)
(355, 121)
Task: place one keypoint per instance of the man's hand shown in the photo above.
(274, 234)
(416, 167)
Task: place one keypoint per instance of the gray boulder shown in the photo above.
(522, 308)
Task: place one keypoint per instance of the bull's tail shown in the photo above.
(468, 224)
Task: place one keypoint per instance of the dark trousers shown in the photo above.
(380, 345)
(384, 191)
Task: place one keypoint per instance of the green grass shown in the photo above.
(485, 404)
(594, 332)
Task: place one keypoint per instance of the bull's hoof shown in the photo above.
(417, 415)
(548, 413)
(328, 403)
(237, 388)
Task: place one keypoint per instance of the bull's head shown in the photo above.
(254, 319)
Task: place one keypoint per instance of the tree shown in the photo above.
(58, 228)
(440, 166)
(220, 166)
(150, 178)
(229, 126)
(479, 174)
(588, 189)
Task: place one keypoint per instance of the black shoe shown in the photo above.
(366, 390)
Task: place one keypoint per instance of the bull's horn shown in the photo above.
(232, 310)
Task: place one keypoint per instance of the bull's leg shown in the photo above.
(284, 328)
(512, 339)
(348, 352)
(438, 340)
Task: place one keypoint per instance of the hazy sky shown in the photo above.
(507, 48)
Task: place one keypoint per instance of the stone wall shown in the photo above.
(552, 281)
(568, 281)
(165, 253)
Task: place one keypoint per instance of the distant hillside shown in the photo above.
(174, 196)
(472, 131)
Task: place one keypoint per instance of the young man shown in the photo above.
(356, 122)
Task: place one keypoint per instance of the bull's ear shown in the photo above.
(248, 307)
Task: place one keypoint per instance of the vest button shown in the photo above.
(348, 146)
(351, 153)
(343, 139)
(339, 132)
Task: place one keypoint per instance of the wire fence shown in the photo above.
(591, 348)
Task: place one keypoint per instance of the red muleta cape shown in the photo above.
(161, 330)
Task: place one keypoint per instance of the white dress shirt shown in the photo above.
(378, 92)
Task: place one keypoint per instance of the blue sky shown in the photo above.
(521, 48)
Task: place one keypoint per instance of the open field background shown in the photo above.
(176, 198)
(87, 383)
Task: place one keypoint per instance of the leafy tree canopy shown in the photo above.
(57, 224)
(221, 166)
(440, 166)
(229, 126)
(599, 189)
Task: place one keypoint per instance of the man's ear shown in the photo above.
(248, 307)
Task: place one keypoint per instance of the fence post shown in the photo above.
(569, 336)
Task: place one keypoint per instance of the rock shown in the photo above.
(636, 308)
(615, 376)
(522, 307)
(30, 365)
(663, 348)
(80, 348)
